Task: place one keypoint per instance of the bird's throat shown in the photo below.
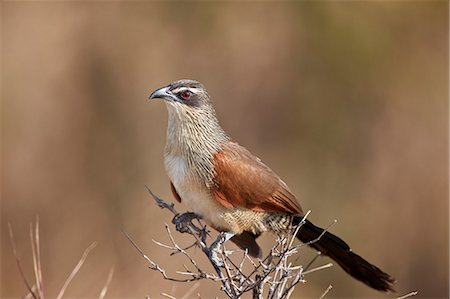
(194, 137)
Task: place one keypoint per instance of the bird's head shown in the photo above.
(183, 94)
(191, 113)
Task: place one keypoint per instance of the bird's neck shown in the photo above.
(195, 136)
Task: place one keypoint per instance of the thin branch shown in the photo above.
(233, 286)
(38, 251)
(323, 233)
(29, 295)
(326, 291)
(275, 272)
(312, 260)
(408, 295)
(75, 270)
(237, 268)
(164, 246)
(155, 266)
(181, 250)
(34, 240)
(288, 292)
(19, 265)
(318, 268)
(185, 248)
(137, 247)
(295, 233)
(108, 281)
(161, 203)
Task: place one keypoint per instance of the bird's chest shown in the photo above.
(195, 194)
(192, 188)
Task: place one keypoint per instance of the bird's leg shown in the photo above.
(215, 247)
(182, 221)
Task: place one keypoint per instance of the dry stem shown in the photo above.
(274, 276)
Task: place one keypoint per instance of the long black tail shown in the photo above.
(334, 247)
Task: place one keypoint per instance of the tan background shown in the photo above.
(346, 101)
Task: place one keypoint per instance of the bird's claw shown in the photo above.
(182, 221)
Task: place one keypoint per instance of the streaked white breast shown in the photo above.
(194, 194)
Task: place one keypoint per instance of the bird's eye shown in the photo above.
(186, 95)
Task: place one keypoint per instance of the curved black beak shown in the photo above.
(163, 93)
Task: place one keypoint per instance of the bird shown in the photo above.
(233, 191)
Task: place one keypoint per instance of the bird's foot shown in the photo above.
(215, 249)
(182, 221)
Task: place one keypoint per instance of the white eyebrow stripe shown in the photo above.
(191, 89)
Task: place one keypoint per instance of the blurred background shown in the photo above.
(347, 102)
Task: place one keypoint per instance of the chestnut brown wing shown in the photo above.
(242, 180)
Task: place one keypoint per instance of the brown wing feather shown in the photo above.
(242, 180)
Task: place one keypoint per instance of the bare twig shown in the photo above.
(323, 232)
(35, 249)
(408, 295)
(75, 270)
(313, 260)
(161, 203)
(29, 295)
(36, 290)
(137, 247)
(275, 272)
(35, 263)
(318, 268)
(155, 266)
(108, 281)
(326, 291)
(19, 265)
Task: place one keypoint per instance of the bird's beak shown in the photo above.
(163, 93)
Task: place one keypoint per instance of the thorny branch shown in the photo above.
(274, 276)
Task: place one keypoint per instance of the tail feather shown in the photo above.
(334, 247)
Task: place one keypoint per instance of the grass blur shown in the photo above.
(346, 101)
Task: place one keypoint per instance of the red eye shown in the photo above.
(186, 95)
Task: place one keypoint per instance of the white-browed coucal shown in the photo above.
(233, 190)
